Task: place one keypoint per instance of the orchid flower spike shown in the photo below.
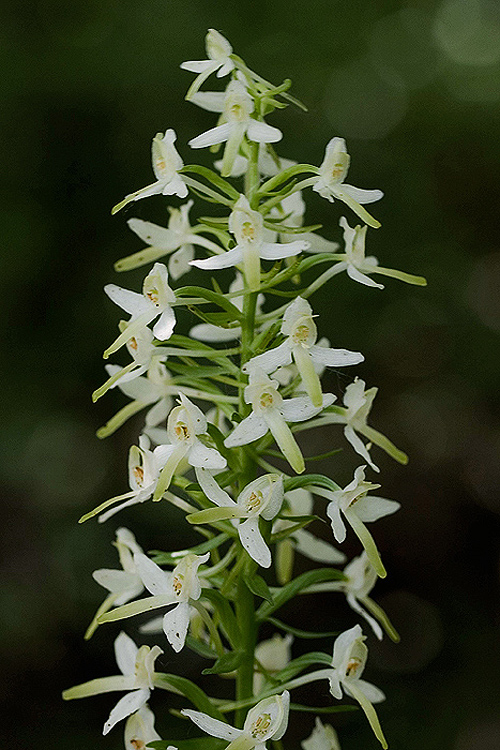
(123, 585)
(144, 468)
(262, 497)
(348, 662)
(177, 241)
(247, 226)
(219, 61)
(140, 730)
(270, 412)
(300, 346)
(185, 423)
(156, 299)
(323, 737)
(267, 720)
(137, 668)
(271, 656)
(330, 183)
(358, 507)
(236, 106)
(166, 165)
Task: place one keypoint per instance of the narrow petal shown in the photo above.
(249, 429)
(372, 692)
(180, 262)
(148, 604)
(134, 327)
(175, 625)
(160, 238)
(125, 653)
(356, 606)
(253, 541)
(362, 196)
(198, 66)
(210, 333)
(285, 440)
(98, 686)
(358, 209)
(308, 374)
(270, 361)
(114, 581)
(153, 577)
(359, 446)
(207, 458)
(335, 357)
(126, 706)
(366, 540)
(159, 412)
(276, 250)
(261, 132)
(212, 137)
(369, 711)
(225, 260)
(132, 302)
(317, 549)
(371, 508)
(338, 525)
(356, 275)
(212, 101)
(212, 490)
(301, 408)
(232, 148)
(214, 727)
(165, 325)
(168, 471)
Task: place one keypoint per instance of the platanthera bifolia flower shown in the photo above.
(323, 737)
(271, 655)
(219, 61)
(140, 730)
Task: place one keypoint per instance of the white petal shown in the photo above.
(164, 328)
(214, 727)
(225, 260)
(125, 653)
(270, 361)
(212, 490)
(132, 302)
(356, 275)
(153, 577)
(249, 429)
(338, 525)
(139, 389)
(359, 446)
(207, 458)
(362, 196)
(154, 235)
(373, 693)
(175, 625)
(198, 66)
(301, 408)
(317, 549)
(371, 508)
(335, 357)
(212, 137)
(140, 726)
(208, 332)
(212, 101)
(253, 541)
(180, 261)
(159, 412)
(276, 250)
(126, 706)
(261, 132)
(115, 581)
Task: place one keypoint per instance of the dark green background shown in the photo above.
(415, 90)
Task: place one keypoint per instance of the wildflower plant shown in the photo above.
(222, 413)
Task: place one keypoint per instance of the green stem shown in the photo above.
(245, 613)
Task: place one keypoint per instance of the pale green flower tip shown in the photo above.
(86, 517)
(103, 432)
(118, 207)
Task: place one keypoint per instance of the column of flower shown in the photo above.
(216, 402)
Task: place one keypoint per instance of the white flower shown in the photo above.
(247, 226)
(272, 655)
(236, 106)
(185, 423)
(156, 299)
(211, 333)
(262, 497)
(267, 720)
(166, 164)
(323, 737)
(143, 471)
(123, 585)
(330, 183)
(140, 730)
(358, 507)
(349, 659)
(155, 390)
(137, 668)
(219, 61)
(300, 345)
(270, 412)
(356, 263)
(178, 239)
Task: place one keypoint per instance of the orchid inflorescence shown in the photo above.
(247, 377)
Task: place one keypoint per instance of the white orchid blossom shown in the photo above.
(144, 468)
(349, 660)
(156, 299)
(300, 346)
(270, 412)
(358, 507)
(166, 165)
(236, 106)
(212, 333)
(267, 720)
(179, 587)
(219, 61)
(185, 424)
(247, 226)
(123, 585)
(271, 656)
(262, 497)
(140, 730)
(176, 240)
(330, 183)
(322, 737)
(137, 668)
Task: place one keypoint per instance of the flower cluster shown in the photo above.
(220, 441)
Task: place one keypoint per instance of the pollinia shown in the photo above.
(223, 410)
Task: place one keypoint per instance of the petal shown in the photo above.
(363, 196)
(214, 727)
(153, 577)
(359, 446)
(261, 132)
(159, 412)
(317, 549)
(335, 357)
(125, 653)
(207, 458)
(225, 260)
(285, 440)
(165, 325)
(356, 275)
(126, 706)
(253, 541)
(132, 302)
(210, 333)
(212, 137)
(270, 361)
(249, 429)
(371, 508)
(338, 525)
(99, 686)
(198, 66)
(116, 581)
(373, 693)
(212, 490)
(180, 262)
(356, 606)
(301, 408)
(175, 625)
(212, 101)
(276, 250)
(156, 236)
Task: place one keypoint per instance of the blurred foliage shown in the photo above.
(415, 90)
